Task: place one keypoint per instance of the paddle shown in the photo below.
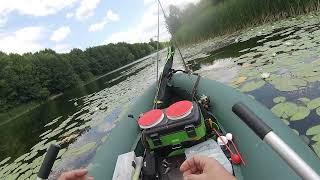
(277, 144)
(48, 162)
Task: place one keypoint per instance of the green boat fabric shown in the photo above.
(261, 161)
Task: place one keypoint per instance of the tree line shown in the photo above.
(37, 76)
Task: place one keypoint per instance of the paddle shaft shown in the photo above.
(276, 143)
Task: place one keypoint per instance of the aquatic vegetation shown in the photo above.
(53, 121)
(5, 160)
(304, 100)
(314, 103)
(80, 150)
(253, 85)
(302, 113)
(315, 132)
(287, 83)
(285, 110)
(279, 99)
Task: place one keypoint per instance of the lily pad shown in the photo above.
(316, 148)
(302, 113)
(71, 125)
(240, 80)
(304, 100)
(316, 137)
(279, 99)
(5, 160)
(78, 151)
(313, 130)
(53, 121)
(45, 133)
(250, 86)
(285, 121)
(313, 104)
(284, 110)
(288, 83)
(21, 157)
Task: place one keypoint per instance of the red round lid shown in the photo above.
(179, 110)
(150, 118)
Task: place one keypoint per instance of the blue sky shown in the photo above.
(32, 25)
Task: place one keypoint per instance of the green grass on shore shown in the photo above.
(232, 15)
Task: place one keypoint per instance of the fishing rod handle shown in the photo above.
(251, 119)
(48, 161)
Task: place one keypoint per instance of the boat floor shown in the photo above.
(169, 168)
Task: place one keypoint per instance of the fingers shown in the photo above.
(75, 174)
(195, 177)
(196, 163)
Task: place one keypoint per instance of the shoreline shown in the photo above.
(22, 109)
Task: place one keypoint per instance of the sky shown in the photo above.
(32, 25)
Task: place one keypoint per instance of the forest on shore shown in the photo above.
(209, 18)
(34, 77)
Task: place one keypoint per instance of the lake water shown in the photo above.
(81, 118)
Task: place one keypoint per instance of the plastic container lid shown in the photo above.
(151, 118)
(179, 110)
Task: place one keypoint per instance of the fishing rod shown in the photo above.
(174, 39)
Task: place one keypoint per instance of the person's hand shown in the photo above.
(78, 174)
(204, 168)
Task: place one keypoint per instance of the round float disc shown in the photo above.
(179, 110)
(150, 118)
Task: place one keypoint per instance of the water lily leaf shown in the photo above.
(302, 113)
(71, 125)
(316, 137)
(240, 80)
(316, 148)
(39, 145)
(285, 109)
(45, 133)
(287, 83)
(53, 121)
(78, 151)
(61, 152)
(313, 130)
(313, 104)
(250, 86)
(21, 157)
(52, 134)
(285, 121)
(5, 160)
(32, 155)
(295, 131)
(304, 100)
(279, 99)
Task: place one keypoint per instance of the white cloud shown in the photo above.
(60, 33)
(86, 9)
(62, 48)
(23, 40)
(33, 7)
(69, 15)
(110, 17)
(147, 27)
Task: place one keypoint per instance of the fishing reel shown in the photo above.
(204, 101)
